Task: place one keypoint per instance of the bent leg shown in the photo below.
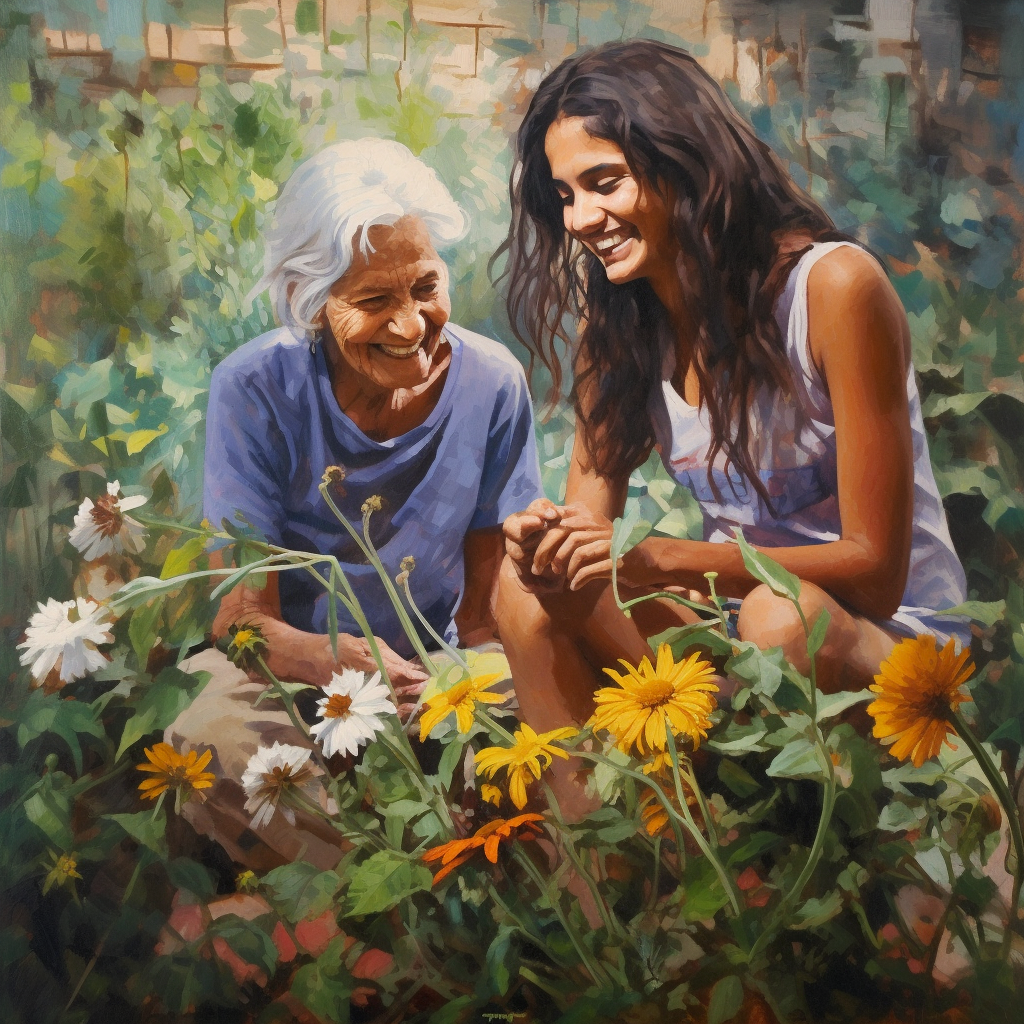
(557, 644)
(224, 718)
(854, 645)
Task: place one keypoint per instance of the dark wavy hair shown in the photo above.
(730, 201)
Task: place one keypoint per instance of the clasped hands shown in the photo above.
(557, 547)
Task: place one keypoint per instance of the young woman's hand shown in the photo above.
(524, 531)
(577, 548)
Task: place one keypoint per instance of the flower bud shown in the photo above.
(374, 503)
(334, 475)
(247, 645)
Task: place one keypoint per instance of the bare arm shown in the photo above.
(859, 340)
(294, 654)
(475, 615)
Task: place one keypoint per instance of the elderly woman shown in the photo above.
(365, 373)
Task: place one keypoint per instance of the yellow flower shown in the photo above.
(247, 645)
(171, 770)
(490, 794)
(650, 700)
(246, 880)
(918, 688)
(374, 503)
(531, 754)
(489, 836)
(461, 699)
(64, 868)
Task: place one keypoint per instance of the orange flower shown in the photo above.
(171, 770)
(919, 687)
(489, 836)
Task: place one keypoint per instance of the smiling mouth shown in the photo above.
(404, 352)
(613, 247)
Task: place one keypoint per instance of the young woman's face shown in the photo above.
(386, 312)
(624, 223)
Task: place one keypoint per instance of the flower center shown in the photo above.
(458, 692)
(653, 693)
(106, 514)
(338, 706)
(243, 636)
(936, 706)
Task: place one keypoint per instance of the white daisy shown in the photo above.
(270, 778)
(64, 635)
(350, 711)
(102, 528)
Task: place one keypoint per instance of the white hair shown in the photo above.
(331, 199)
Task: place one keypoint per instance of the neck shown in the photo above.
(666, 283)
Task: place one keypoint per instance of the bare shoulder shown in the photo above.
(850, 296)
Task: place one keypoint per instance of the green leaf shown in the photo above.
(497, 954)
(161, 703)
(726, 1000)
(762, 671)
(622, 530)
(142, 590)
(185, 873)
(323, 991)
(50, 812)
(754, 846)
(818, 631)
(988, 613)
(140, 630)
(144, 829)
(815, 912)
(780, 581)
(450, 760)
(383, 881)
(65, 718)
(737, 778)
(799, 759)
(975, 890)
(300, 890)
(832, 704)
(180, 559)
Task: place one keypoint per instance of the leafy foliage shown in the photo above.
(132, 222)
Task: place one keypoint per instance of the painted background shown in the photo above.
(143, 142)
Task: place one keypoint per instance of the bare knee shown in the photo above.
(772, 621)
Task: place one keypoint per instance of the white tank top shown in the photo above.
(797, 456)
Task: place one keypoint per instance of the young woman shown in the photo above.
(724, 321)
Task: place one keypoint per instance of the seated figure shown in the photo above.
(430, 423)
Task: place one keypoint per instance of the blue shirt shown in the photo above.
(274, 426)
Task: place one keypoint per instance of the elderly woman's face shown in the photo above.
(387, 311)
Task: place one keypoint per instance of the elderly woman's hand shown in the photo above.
(407, 677)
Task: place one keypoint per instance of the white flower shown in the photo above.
(350, 711)
(103, 528)
(270, 778)
(65, 634)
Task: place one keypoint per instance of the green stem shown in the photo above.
(604, 910)
(534, 935)
(1001, 791)
(722, 617)
(674, 817)
(726, 879)
(485, 719)
(593, 968)
(370, 552)
(408, 759)
(705, 810)
(437, 638)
